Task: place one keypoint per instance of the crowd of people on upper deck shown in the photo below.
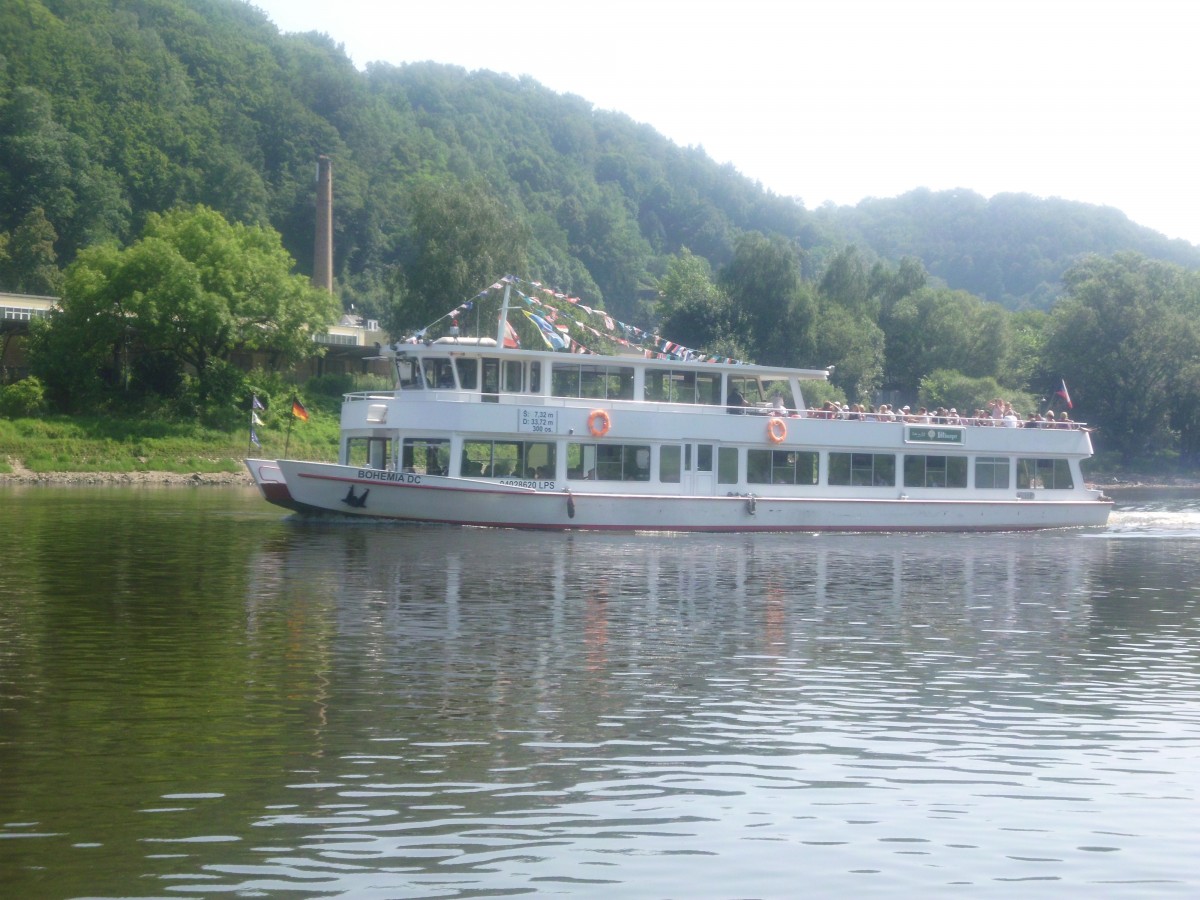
(999, 414)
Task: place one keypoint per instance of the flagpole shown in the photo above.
(500, 331)
(291, 418)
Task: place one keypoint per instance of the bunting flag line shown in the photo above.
(255, 403)
(562, 322)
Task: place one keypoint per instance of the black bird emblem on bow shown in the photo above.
(358, 501)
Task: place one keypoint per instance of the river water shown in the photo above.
(200, 696)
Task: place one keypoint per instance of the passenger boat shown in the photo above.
(480, 433)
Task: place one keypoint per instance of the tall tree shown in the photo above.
(28, 263)
(1124, 337)
(764, 282)
(692, 309)
(462, 239)
(936, 328)
(192, 290)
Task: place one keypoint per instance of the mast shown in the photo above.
(500, 326)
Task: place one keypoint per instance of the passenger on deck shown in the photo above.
(737, 403)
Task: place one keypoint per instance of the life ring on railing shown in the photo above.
(599, 422)
(776, 429)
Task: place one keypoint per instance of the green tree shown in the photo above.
(1125, 339)
(462, 239)
(191, 292)
(764, 282)
(853, 345)
(953, 390)
(888, 286)
(28, 261)
(846, 283)
(936, 328)
(692, 309)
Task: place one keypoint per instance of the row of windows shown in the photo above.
(593, 381)
(632, 462)
(22, 313)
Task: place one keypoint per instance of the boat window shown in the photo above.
(781, 466)
(369, 453)
(514, 377)
(609, 462)
(749, 388)
(507, 459)
(862, 469)
(704, 457)
(779, 388)
(596, 382)
(669, 469)
(468, 373)
(935, 471)
(991, 472)
(491, 380)
(681, 386)
(1051, 474)
(426, 456)
(408, 374)
(727, 465)
(439, 373)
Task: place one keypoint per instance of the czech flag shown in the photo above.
(299, 411)
(1062, 392)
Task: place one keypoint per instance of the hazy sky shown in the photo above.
(837, 100)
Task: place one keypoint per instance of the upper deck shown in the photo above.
(476, 388)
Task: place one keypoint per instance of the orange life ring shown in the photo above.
(776, 430)
(599, 422)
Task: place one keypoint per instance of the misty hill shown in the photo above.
(114, 109)
(1011, 249)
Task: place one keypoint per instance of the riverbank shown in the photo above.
(22, 475)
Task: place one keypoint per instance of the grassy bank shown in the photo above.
(105, 444)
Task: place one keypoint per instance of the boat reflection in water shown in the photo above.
(506, 710)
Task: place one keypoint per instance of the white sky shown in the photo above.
(837, 100)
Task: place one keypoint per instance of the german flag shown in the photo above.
(299, 411)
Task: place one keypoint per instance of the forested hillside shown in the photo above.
(115, 110)
(1012, 249)
(129, 127)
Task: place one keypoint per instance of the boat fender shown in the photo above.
(776, 430)
(570, 504)
(751, 504)
(599, 422)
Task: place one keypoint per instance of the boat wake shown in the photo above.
(1155, 522)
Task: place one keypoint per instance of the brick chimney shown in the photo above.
(322, 276)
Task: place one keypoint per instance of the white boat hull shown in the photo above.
(325, 488)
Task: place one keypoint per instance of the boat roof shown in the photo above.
(461, 346)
